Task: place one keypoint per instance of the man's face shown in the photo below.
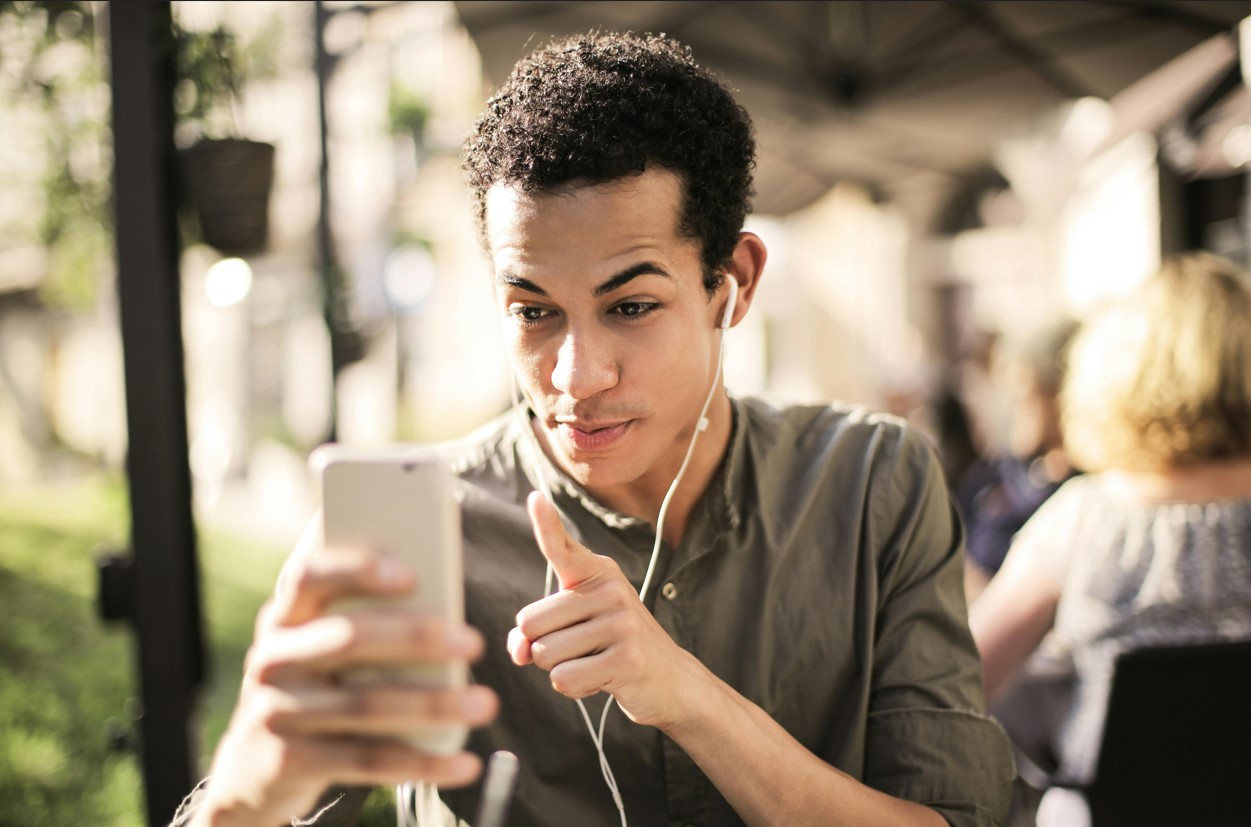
(608, 324)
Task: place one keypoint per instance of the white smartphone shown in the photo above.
(400, 502)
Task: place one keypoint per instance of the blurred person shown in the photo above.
(940, 415)
(1154, 546)
(971, 379)
(998, 494)
(957, 449)
(807, 660)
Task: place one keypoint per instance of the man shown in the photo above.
(806, 658)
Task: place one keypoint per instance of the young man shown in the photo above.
(802, 656)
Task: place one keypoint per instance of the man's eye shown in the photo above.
(528, 313)
(633, 310)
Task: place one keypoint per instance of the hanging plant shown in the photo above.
(228, 178)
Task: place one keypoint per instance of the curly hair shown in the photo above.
(1162, 378)
(602, 106)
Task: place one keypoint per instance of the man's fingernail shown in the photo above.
(474, 704)
(393, 573)
(462, 766)
(462, 639)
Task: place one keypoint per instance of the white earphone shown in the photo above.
(729, 304)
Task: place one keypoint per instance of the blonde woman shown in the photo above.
(1155, 546)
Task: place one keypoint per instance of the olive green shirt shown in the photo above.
(820, 575)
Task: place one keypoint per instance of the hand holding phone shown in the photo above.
(400, 503)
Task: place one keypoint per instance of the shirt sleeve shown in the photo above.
(927, 739)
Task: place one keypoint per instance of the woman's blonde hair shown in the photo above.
(1162, 378)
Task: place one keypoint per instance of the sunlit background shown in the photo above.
(883, 288)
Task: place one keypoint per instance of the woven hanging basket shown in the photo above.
(228, 185)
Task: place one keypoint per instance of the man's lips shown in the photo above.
(593, 436)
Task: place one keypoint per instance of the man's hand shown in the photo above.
(297, 731)
(595, 635)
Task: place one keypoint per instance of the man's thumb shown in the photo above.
(571, 561)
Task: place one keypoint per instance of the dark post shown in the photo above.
(333, 299)
(165, 584)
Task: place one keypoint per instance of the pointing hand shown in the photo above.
(594, 634)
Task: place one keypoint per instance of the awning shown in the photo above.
(907, 98)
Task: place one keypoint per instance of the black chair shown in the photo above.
(1176, 746)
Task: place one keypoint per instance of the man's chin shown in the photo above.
(594, 471)
(599, 472)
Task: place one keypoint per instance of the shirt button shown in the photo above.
(669, 591)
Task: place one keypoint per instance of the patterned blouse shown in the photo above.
(1133, 574)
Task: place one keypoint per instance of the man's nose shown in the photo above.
(584, 366)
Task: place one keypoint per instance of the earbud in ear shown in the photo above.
(730, 302)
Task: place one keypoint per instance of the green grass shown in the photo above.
(64, 675)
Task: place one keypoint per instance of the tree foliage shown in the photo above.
(51, 77)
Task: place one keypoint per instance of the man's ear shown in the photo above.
(746, 266)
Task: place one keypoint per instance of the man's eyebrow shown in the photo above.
(624, 277)
(518, 281)
(642, 268)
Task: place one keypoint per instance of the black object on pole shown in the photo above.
(164, 581)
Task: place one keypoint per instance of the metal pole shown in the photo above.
(165, 582)
(333, 309)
